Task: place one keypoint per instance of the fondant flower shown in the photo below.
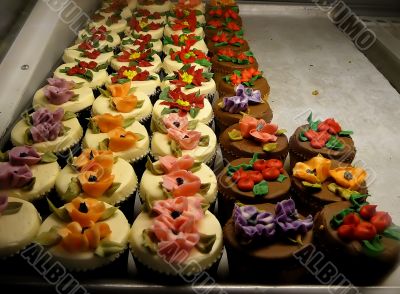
(246, 124)
(143, 25)
(317, 139)
(104, 157)
(136, 57)
(107, 122)
(123, 101)
(183, 102)
(349, 177)
(22, 155)
(264, 132)
(240, 102)
(61, 83)
(187, 140)
(181, 183)
(187, 55)
(121, 140)
(181, 40)
(59, 94)
(95, 179)
(251, 224)
(174, 211)
(129, 73)
(46, 125)
(288, 221)
(246, 77)
(189, 77)
(316, 170)
(176, 121)
(3, 202)
(170, 163)
(187, 23)
(14, 176)
(82, 70)
(330, 125)
(85, 211)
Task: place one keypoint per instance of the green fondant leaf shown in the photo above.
(203, 62)
(29, 186)
(28, 137)
(3, 156)
(107, 248)
(68, 115)
(103, 145)
(235, 135)
(155, 169)
(281, 178)
(254, 159)
(74, 98)
(311, 185)
(176, 149)
(48, 157)
(12, 208)
(164, 94)
(261, 189)
(302, 137)
(149, 240)
(139, 103)
(105, 93)
(204, 141)
(78, 85)
(61, 213)
(392, 232)
(109, 38)
(93, 126)
(192, 124)
(313, 124)
(269, 147)
(109, 212)
(169, 110)
(373, 247)
(158, 125)
(139, 136)
(337, 220)
(196, 166)
(194, 112)
(73, 190)
(128, 122)
(346, 133)
(206, 243)
(49, 238)
(342, 192)
(334, 143)
(280, 132)
(114, 187)
(208, 75)
(204, 188)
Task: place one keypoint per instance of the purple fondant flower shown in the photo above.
(3, 202)
(287, 219)
(23, 155)
(14, 176)
(240, 102)
(61, 83)
(58, 91)
(253, 96)
(251, 224)
(46, 124)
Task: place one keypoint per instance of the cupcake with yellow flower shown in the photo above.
(144, 59)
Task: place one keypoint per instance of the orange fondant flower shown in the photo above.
(85, 211)
(103, 157)
(121, 140)
(107, 122)
(349, 177)
(315, 170)
(123, 101)
(95, 179)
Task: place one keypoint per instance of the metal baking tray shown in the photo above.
(301, 53)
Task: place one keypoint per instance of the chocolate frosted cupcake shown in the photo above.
(363, 242)
(251, 181)
(321, 181)
(228, 41)
(214, 26)
(251, 77)
(251, 136)
(223, 4)
(225, 60)
(321, 137)
(261, 241)
(230, 109)
(227, 13)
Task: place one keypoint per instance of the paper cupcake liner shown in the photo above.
(137, 158)
(154, 97)
(145, 119)
(211, 161)
(124, 198)
(17, 252)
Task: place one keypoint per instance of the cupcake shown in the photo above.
(84, 234)
(125, 100)
(258, 235)
(191, 80)
(19, 224)
(91, 74)
(227, 41)
(177, 177)
(114, 22)
(145, 26)
(126, 138)
(321, 137)
(141, 43)
(321, 181)
(175, 42)
(192, 106)
(251, 78)
(187, 25)
(60, 93)
(97, 174)
(186, 55)
(156, 17)
(176, 136)
(88, 51)
(130, 4)
(117, 7)
(251, 181)
(145, 60)
(358, 238)
(225, 13)
(142, 80)
(196, 5)
(251, 136)
(229, 110)
(213, 26)
(47, 131)
(223, 4)
(160, 6)
(97, 37)
(225, 60)
(27, 174)
(185, 14)
(159, 241)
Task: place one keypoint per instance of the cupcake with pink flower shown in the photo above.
(176, 233)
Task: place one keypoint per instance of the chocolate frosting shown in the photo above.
(213, 49)
(226, 67)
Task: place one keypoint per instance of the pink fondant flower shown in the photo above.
(170, 163)
(181, 183)
(176, 121)
(246, 124)
(14, 176)
(264, 132)
(46, 124)
(187, 140)
(21, 155)
(179, 207)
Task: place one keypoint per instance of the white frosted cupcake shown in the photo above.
(118, 7)
(144, 14)
(90, 74)
(171, 176)
(160, 242)
(84, 234)
(188, 25)
(176, 136)
(114, 23)
(193, 106)
(145, 60)
(186, 55)
(27, 174)
(19, 224)
(175, 42)
(153, 6)
(130, 4)
(185, 14)
(145, 26)
(97, 174)
(87, 52)
(98, 35)
(47, 131)
(190, 5)
(128, 139)
(125, 100)
(191, 80)
(141, 42)
(68, 95)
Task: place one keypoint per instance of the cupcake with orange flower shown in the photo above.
(321, 181)
(125, 100)
(225, 60)
(176, 135)
(251, 136)
(126, 138)
(175, 42)
(193, 106)
(84, 234)
(143, 59)
(186, 55)
(97, 174)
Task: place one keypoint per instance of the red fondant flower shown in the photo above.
(191, 76)
(317, 139)
(140, 58)
(91, 54)
(185, 55)
(330, 125)
(184, 102)
(187, 140)
(132, 73)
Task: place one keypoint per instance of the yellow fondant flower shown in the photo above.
(135, 55)
(315, 170)
(187, 78)
(182, 103)
(130, 74)
(349, 177)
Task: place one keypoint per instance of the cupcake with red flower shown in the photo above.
(193, 106)
(175, 42)
(226, 40)
(146, 15)
(145, 60)
(176, 135)
(321, 137)
(191, 80)
(160, 6)
(251, 136)
(216, 25)
(90, 74)
(145, 26)
(196, 5)
(173, 233)
(121, 7)
(88, 51)
(141, 42)
(228, 13)
(225, 60)
(186, 55)
(97, 35)
(251, 181)
(185, 25)
(113, 22)
(182, 14)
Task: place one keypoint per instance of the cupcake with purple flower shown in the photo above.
(229, 110)
(261, 241)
